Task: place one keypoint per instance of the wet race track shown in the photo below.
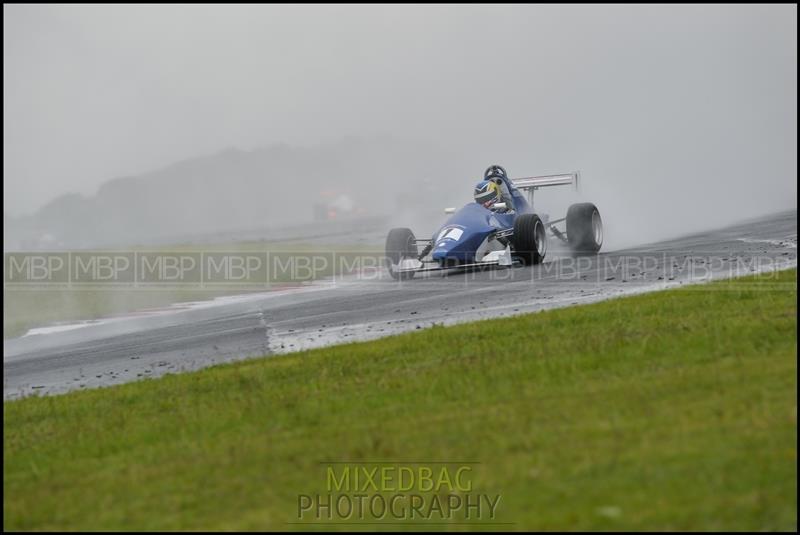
(367, 306)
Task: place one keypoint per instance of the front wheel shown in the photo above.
(400, 244)
(584, 228)
(529, 239)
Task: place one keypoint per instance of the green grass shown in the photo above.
(25, 308)
(671, 410)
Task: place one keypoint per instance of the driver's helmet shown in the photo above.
(487, 193)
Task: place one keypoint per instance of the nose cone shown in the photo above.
(447, 249)
(462, 234)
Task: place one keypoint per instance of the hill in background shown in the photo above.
(272, 187)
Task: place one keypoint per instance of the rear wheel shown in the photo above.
(584, 228)
(400, 244)
(529, 239)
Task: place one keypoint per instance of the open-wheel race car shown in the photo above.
(499, 228)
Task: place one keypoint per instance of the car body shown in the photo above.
(476, 236)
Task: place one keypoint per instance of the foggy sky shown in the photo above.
(645, 100)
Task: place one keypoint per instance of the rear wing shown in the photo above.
(535, 182)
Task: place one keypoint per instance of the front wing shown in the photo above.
(494, 258)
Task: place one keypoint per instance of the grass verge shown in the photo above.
(670, 410)
(26, 305)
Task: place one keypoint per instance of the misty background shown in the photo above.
(138, 124)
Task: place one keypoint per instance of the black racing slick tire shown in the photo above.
(400, 243)
(529, 239)
(584, 228)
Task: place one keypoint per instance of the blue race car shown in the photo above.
(498, 229)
